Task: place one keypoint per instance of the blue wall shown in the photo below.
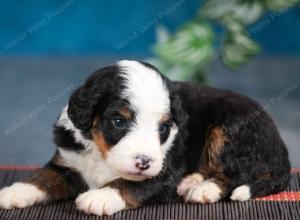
(78, 27)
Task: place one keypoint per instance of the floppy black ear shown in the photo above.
(179, 114)
(81, 107)
(84, 100)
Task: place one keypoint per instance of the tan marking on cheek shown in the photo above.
(99, 139)
(100, 142)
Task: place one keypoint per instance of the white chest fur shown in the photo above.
(90, 165)
(89, 162)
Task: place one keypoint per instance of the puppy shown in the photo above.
(129, 137)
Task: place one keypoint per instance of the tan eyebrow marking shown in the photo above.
(125, 113)
(165, 117)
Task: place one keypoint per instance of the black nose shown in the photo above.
(142, 162)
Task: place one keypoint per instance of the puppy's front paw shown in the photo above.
(20, 195)
(205, 192)
(105, 201)
(189, 182)
(241, 193)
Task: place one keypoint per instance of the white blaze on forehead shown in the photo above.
(149, 98)
(145, 88)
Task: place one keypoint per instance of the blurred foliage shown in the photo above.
(184, 54)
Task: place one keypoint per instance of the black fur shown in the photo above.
(101, 87)
(112, 134)
(72, 178)
(254, 149)
(65, 139)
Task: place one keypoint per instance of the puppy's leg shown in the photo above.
(104, 201)
(49, 184)
(205, 191)
(189, 182)
(21, 195)
(209, 184)
(121, 194)
(247, 174)
(116, 196)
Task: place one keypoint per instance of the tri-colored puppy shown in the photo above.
(129, 137)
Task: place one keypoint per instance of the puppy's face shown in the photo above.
(130, 118)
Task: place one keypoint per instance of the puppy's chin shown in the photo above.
(135, 177)
(138, 176)
(128, 171)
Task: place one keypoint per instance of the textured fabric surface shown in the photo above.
(283, 206)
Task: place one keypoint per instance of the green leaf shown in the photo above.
(246, 12)
(178, 72)
(191, 46)
(238, 48)
(279, 5)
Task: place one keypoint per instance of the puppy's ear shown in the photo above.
(179, 114)
(81, 107)
(84, 100)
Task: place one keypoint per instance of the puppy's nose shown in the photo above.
(142, 162)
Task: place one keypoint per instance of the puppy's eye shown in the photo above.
(164, 131)
(164, 128)
(119, 122)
